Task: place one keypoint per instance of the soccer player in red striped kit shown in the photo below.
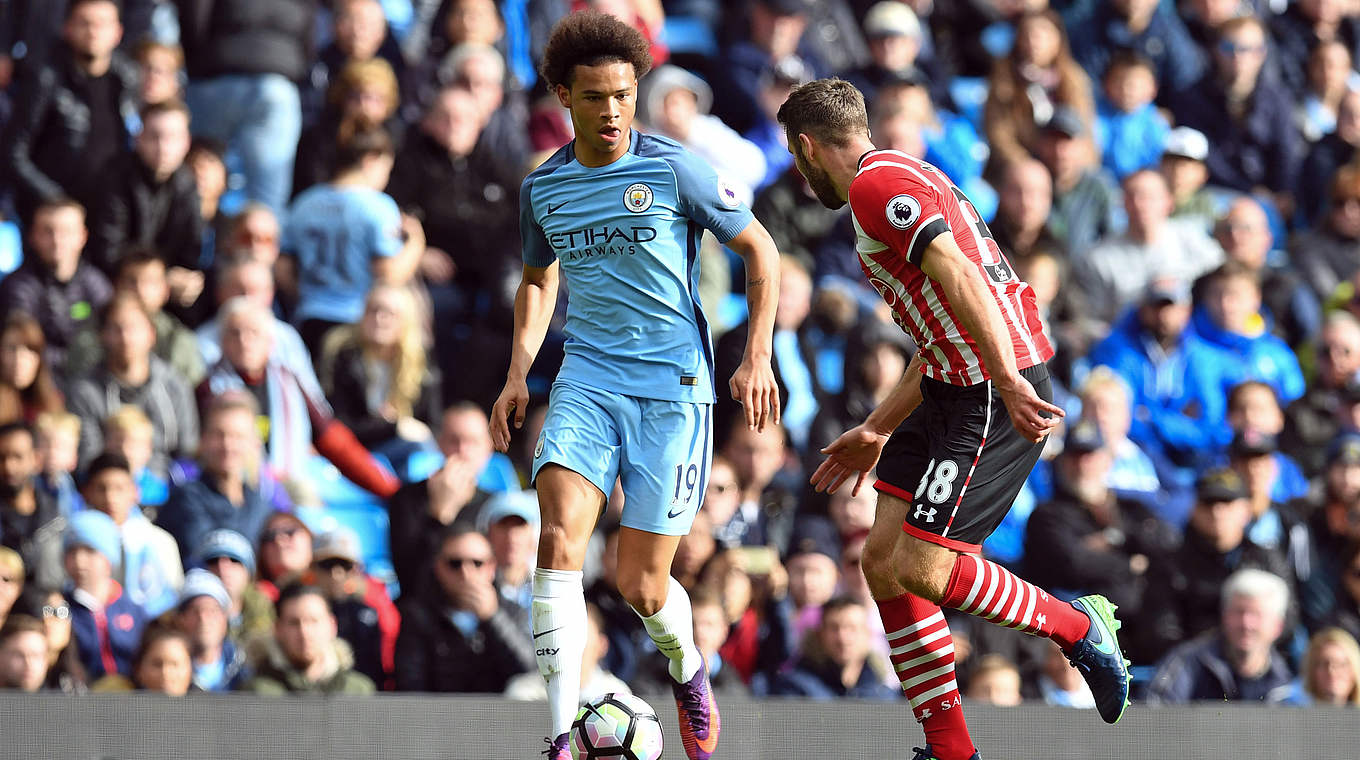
(956, 439)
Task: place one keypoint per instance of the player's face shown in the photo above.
(817, 178)
(602, 100)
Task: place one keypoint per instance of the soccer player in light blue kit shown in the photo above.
(620, 215)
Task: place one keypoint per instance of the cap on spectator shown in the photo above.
(199, 582)
(1252, 443)
(1345, 449)
(339, 543)
(521, 504)
(1065, 121)
(785, 7)
(891, 19)
(788, 71)
(1164, 291)
(225, 542)
(668, 78)
(1186, 142)
(815, 535)
(95, 530)
(1220, 485)
(1083, 438)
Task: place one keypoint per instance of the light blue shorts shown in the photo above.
(660, 449)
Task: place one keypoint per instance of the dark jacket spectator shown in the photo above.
(304, 656)
(1313, 421)
(419, 511)
(362, 96)
(276, 676)
(246, 37)
(197, 507)
(1295, 33)
(1153, 30)
(1197, 671)
(30, 521)
(836, 661)
(66, 125)
(1325, 157)
(1329, 254)
(797, 221)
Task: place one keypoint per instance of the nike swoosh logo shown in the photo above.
(674, 515)
(545, 633)
(552, 208)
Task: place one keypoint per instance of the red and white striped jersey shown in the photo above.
(899, 204)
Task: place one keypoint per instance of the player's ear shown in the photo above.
(807, 145)
(563, 95)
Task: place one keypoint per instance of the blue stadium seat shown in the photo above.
(969, 94)
(685, 34)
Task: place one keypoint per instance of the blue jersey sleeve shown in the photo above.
(536, 251)
(706, 198)
(386, 229)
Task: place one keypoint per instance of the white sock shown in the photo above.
(672, 630)
(559, 619)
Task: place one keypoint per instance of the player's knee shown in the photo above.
(877, 564)
(555, 549)
(643, 596)
(923, 573)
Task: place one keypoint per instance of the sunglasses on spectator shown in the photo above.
(457, 563)
(58, 611)
(275, 534)
(332, 564)
(1228, 47)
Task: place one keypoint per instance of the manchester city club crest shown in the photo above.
(637, 197)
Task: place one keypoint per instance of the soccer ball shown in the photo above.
(617, 726)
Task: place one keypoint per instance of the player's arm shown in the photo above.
(535, 301)
(974, 305)
(753, 384)
(857, 450)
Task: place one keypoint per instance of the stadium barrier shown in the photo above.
(221, 727)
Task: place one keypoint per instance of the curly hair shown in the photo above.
(590, 38)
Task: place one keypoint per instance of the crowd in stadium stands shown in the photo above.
(259, 262)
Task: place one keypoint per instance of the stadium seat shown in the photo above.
(684, 34)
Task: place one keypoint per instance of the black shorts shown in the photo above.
(959, 462)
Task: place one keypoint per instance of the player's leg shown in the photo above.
(664, 469)
(922, 651)
(575, 458)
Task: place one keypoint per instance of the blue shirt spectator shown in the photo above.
(1231, 320)
(1149, 27)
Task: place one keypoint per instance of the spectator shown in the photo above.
(65, 674)
(23, 654)
(57, 437)
(1246, 114)
(255, 235)
(1325, 157)
(1335, 527)
(130, 373)
(1181, 590)
(1231, 320)
(71, 112)
(1027, 87)
(797, 221)
(1085, 198)
(229, 556)
(776, 31)
(11, 581)
(876, 357)
(510, 522)
(1330, 77)
(1329, 254)
(255, 281)
(835, 661)
(722, 500)
(627, 635)
(1331, 669)
(504, 112)
(676, 104)
(376, 376)
(343, 236)
(1178, 381)
(207, 160)
(359, 35)
(148, 197)
(147, 566)
(298, 414)
(27, 387)
(1183, 166)
(813, 563)
(1144, 27)
(995, 681)
(1025, 199)
(1291, 308)
(1131, 131)
(1089, 540)
(1312, 422)
(1106, 401)
(142, 272)
(105, 623)
(244, 59)
(1238, 662)
(228, 491)
(710, 633)
(285, 552)
(202, 615)
(362, 97)
(951, 143)
(775, 86)
(163, 664)
(693, 552)
(895, 36)
(161, 67)
(54, 284)
(128, 432)
(595, 680)
(1118, 269)
(305, 656)
(460, 635)
(30, 521)
(365, 616)
(1305, 26)
(1256, 419)
(767, 505)
(1061, 684)
(1070, 324)
(420, 510)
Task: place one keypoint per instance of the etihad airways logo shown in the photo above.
(600, 241)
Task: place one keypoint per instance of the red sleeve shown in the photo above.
(898, 209)
(338, 444)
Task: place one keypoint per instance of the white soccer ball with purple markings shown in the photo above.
(618, 726)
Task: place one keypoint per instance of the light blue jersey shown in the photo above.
(336, 233)
(627, 236)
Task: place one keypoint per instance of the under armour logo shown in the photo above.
(922, 512)
(1041, 619)
(925, 714)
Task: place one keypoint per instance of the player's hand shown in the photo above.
(856, 453)
(1027, 409)
(514, 398)
(754, 387)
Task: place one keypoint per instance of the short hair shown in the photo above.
(374, 73)
(1102, 377)
(1258, 584)
(1233, 269)
(12, 561)
(705, 597)
(591, 38)
(1346, 182)
(146, 47)
(74, 4)
(450, 532)
(828, 110)
(12, 428)
(465, 52)
(1238, 22)
(108, 460)
(18, 624)
(1128, 59)
(173, 105)
(243, 305)
(208, 146)
(123, 300)
(155, 634)
(58, 203)
(48, 423)
(128, 417)
(1239, 390)
(838, 603)
(138, 256)
(228, 402)
(363, 144)
(295, 591)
